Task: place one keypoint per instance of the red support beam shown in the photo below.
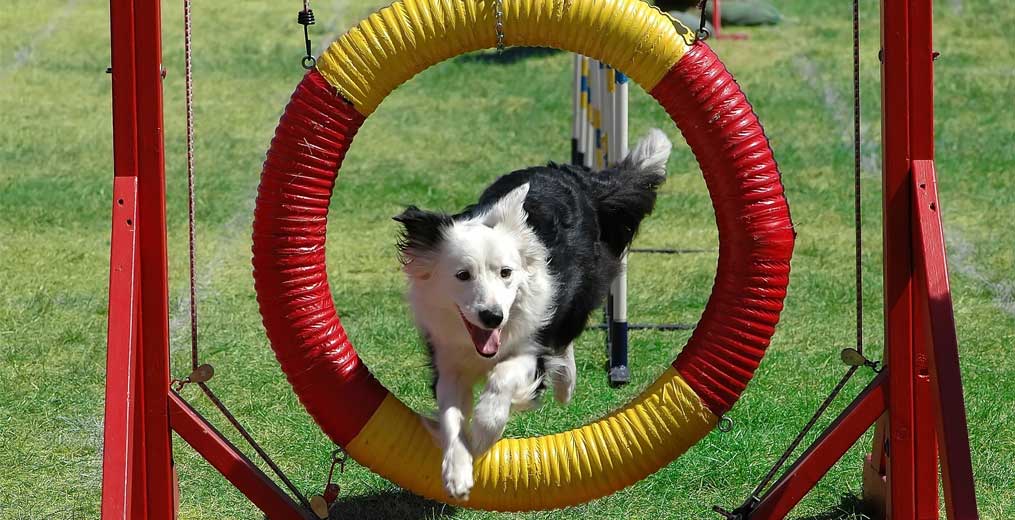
(137, 466)
(153, 257)
(921, 147)
(898, 261)
(121, 360)
(232, 463)
(833, 443)
(938, 318)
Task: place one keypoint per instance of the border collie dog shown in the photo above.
(501, 290)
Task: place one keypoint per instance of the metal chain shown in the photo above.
(253, 444)
(498, 13)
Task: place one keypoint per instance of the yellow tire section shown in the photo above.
(399, 41)
(545, 472)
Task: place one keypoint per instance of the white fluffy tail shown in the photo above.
(650, 154)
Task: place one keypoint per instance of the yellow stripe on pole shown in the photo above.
(400, 40)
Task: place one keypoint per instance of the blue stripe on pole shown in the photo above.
(585, 84)
(621, 78)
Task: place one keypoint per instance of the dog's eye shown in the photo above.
(463, 276)
(505, 272)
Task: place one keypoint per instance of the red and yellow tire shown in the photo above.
(375, 428)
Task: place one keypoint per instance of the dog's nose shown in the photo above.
(490, 318)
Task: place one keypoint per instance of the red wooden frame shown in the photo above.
(137, 470)
(921, 384)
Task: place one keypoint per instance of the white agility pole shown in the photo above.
(609, 91)
(599, 138)
(577, 93)
(617, 326)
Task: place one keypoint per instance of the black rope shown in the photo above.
(744, 510)
(857, 219)
(201, 373)
(253, 444)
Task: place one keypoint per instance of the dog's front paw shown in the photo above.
(457, 473)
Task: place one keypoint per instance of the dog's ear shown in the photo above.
(422, 231)
(510, 210)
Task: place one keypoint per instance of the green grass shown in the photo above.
(435, 142)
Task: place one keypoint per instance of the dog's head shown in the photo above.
(474, 266)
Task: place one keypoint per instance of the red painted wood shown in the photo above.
(121, 24)
(921, 146)
(897, 237)
(755, 230)
(154, 265)
(833, 443)
(121, 363)
(137, 477)
(231, 463)
(938, 316)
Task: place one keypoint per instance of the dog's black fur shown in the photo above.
(585, 219)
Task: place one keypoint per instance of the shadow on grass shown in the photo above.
(389, 504)
(507, 56)
(850, 508)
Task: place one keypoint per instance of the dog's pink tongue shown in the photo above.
(486, 341)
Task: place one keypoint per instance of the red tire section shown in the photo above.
(755, 231)
(290, 276)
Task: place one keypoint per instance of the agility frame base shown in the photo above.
(138, 478)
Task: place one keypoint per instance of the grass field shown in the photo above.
(435, 142)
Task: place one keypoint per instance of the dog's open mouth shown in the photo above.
(486, 341)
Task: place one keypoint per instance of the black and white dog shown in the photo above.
(501, 290)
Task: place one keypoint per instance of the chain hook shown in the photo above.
(202, 374)
(321, 504)
(702, 33)
(306, 19)
(498, 13)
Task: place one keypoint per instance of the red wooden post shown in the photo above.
(922, 382)
(137, 467)
(137, 473)
(908, 133)
(897, 258)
